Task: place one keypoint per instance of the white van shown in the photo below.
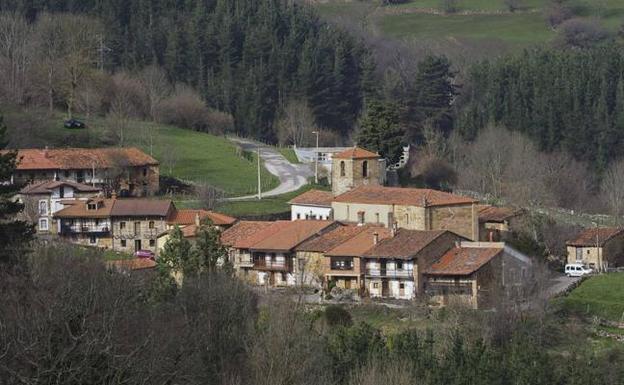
(577, 270)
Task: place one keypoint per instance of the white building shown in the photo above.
(312, 205)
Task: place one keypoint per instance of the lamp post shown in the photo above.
(259, 179)
(316, 156)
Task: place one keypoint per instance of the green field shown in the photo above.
(289, 154)
(185, 154)
(601, 296)
(476, 22)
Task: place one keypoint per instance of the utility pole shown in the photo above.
(259, 180)
(316, 156)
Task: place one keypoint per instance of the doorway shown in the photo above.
(137, 245)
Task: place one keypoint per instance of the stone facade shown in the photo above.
(131, 234)
(350, 173)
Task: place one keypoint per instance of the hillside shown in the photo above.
(484, 24)
(184, 154)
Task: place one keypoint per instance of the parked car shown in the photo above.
(577, 270)
(74, 123)
(144, 254)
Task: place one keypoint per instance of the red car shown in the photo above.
(144, 254)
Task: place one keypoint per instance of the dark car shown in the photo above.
(74, 123)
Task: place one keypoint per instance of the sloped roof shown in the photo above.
(359, 244)
(288, 234)
(401, 196)
(136, 207)
(132, 264)
(330, 239)
(47, 187)
(595, 235)
(497, 214)
(79, 209)
(242, 230)
(463, 260)
(314, 198)
(405, 244)
(187, 217)
(81, 158)
(356, 153)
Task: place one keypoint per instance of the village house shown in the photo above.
(86, 222)
(356, 167)
(479, 274)
(497, 223)
(599, 248)
(316, 268)
(394, 267)
(127, 171)
(342, 264)
(312, 204)
(409, 208)
(238, 239)
(190, 221)
(136, 223)
(42, 200)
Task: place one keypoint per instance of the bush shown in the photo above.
(579, 33)
(337, 316)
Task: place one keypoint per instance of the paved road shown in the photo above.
(292, 176)
(559, 284)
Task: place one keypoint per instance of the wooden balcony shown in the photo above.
(263, 264)
(384, 273)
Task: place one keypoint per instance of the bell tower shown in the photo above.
(356, 167)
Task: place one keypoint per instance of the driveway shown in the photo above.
(560, 284)
(292, 176)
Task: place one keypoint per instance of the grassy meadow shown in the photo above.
(601, 295)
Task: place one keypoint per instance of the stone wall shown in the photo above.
(460, 219)
(354, 177)
(145, 234)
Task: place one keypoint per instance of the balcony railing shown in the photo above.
(390, 273)
(244, 261)
(341, 267)
(262, 264)
(84, 229)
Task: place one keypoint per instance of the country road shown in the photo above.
(292, 176)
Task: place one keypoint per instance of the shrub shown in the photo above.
(337, 316)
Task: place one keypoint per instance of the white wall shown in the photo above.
(300, 212)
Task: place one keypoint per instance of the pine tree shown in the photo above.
(380, 131)
(178, 255)
(210, 251)
(15, 234)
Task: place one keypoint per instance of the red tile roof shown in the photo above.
(79, 209)
(242, 230)
(405, 244)
(497, 214)
(360, 243)
(136, 207)
(48, 186)
(595, 236)
(288, 235)
(356, 153)
(463, 260)
(314, 198)
(330, 239)
(82, 158)
(132, 264)
(402, 196)
(187, 217)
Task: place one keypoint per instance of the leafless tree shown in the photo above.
(184, 108)
(208, 196)
(375, 372)
(296, 125)
(169, 158)
(449, 6)
(156, 88)
(15, 55)
(612, 189)
(557, 13)
(581, 33)
(49, 43)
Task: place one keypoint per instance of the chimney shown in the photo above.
(375, 238)
(457, 244)
(45, 152)
(197, 222)
(393, 229)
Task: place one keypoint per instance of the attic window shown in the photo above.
(91, 206)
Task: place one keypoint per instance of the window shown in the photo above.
(62, 192)
(97, 222)
(93, 240)
(91, 206)
(43, 224)
(298, 216)
(587, 251)
(342, 168)
(66, 174)
(43, 207)
(377, 217)
(365, 169)
(145, 172)
(407, 219)
(152, 243)
(361, 217)
(402, 286)
(399, 265)
(375, 285)
(151, 224)
(122, 225)
(123, 243)
(579, 254)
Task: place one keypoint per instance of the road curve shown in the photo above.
(292, 176)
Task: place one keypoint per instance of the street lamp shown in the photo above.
(316, 156)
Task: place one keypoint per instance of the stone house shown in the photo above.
(394, 267)
(136, 223)
(190, 221)
(312, 204)
(238, 239)
(480, 275)
(42, 200)
(497, 223)
(86, 222)
(409, 208)
(127, 171)
(356, 167)
(599, 248)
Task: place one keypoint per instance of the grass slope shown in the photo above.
(198, 156)
(601, 295)
(289, 154)
(476, 22)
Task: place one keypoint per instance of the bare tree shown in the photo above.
(612, 189)
(297, 123)
(155, 86)
(208, 195)
(49, 43)
(15, 55)
(449, 6)
(169, 158)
